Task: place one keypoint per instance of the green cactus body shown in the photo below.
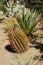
(19, 40)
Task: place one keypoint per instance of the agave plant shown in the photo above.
(14, 9)
(18, 39)
(28, 20)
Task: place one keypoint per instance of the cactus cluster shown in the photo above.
(18, 39)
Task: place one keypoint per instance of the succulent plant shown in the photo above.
(18, 39)
(28, 20)
(11, 21)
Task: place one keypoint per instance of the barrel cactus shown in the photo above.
(18, 39)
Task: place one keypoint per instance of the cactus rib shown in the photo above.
(17, 39)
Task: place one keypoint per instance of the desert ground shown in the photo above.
(8, 57)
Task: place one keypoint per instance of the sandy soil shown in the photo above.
(7, 57)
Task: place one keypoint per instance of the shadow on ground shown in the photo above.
(8, 48)
(38, 46)
(35, 45)
(41, 58)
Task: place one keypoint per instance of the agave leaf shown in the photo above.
(33, 22)
(37, 20)
(32, 19)
(26, 15)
